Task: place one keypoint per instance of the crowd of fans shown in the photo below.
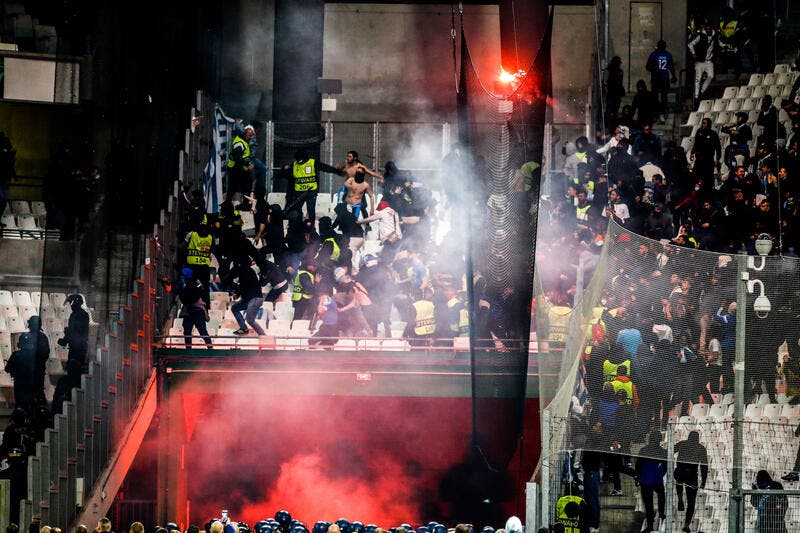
(664, 331)
(333, 281)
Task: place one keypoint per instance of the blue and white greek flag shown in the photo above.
(217, 159)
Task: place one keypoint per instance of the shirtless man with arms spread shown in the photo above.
(356, 186)
(352, 165)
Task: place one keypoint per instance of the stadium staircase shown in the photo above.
(79, 466)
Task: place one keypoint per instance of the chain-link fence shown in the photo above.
(653, 352)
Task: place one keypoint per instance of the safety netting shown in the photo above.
(642, 337)
(500, 133)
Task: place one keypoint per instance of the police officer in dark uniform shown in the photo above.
(76, 334)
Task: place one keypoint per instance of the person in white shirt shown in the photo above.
(620, 132)
(616, 208)
(703, 48)
(390, 232)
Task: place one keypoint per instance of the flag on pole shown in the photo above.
(214, 172)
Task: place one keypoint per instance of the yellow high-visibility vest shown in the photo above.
(297, 291)
(335, 253)
(425, 323)
(305, 175)
(245, 154)
(610, 370)
(199, 250)
(572, 524)
(627, 386)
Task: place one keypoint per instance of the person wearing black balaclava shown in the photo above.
(392, 177)
(76, 334)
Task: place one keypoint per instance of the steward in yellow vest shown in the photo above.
(303, 290)
(571, 512)
(459, 316)
(424, 324)
(303, 176)
(240, 167)
(198, 256)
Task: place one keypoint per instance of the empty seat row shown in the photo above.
(23, 207)
(773, 78)
(36, 299)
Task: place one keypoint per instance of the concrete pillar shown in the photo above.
(172, 479)
(298, 60)
(299, 28)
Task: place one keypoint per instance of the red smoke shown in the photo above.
(305, 487)
(373, 459)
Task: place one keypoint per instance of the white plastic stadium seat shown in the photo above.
(20, 207)
(22, 298)
(723, 118)
(27, 311)
(716, 411)
(775, 91)
(720, 104)
(687, 143)
(8, 221)
(730, 92)
(27, 222)
(694, 118)
(6, 298)
(744, 91)
(781, 68)
(770, 79)
(705, 106)
(38, 208)
(759, 92)
(735, 104)
(784, 78)
(16, 324)
(755, 80)
(752, 411)
(40, 299)
(57, 299)
(748, 104)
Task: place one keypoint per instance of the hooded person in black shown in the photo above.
(771, 508)
(651, 466)
(691, 454)
(76, 334)
(270, 232)
(37, 339)
(21, 365)
(328, 251)
(392, 177)
(295, 241)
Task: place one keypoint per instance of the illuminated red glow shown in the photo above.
(506, 77)
(374, 459)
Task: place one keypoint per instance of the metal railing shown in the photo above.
(417, 147)
(75, 451)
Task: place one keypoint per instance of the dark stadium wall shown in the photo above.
(636, 27)
(396, 60)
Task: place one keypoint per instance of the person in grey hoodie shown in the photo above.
(571, 163)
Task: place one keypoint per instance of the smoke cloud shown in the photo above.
(373, 459)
